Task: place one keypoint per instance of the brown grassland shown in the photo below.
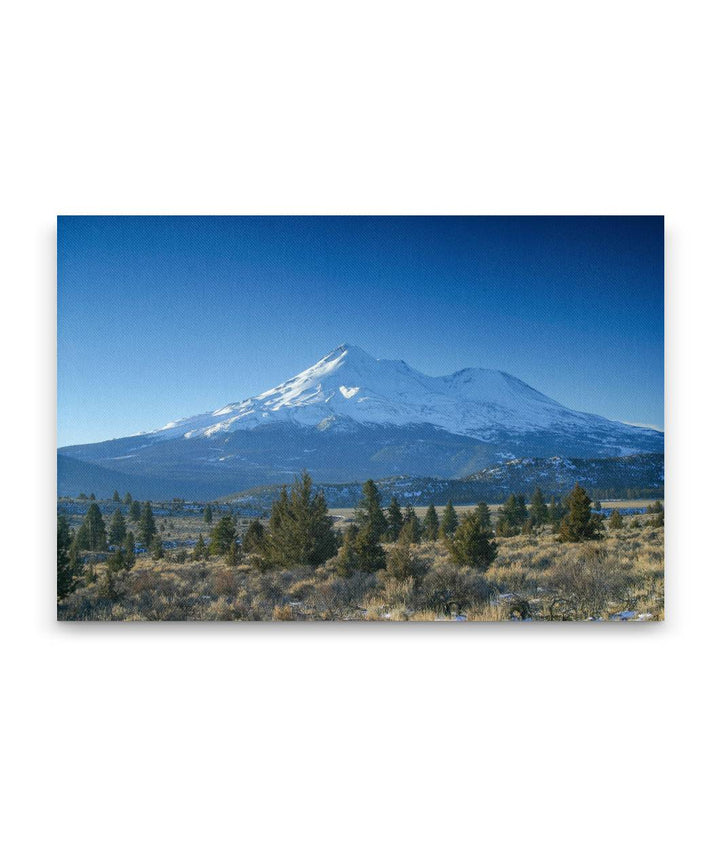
(534, 577)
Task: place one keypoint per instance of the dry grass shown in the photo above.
(533, 577)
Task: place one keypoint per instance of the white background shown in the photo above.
(354, 739)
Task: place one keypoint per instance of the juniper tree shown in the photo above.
(207, 514)
(538, 510)
(615, 521)
(156, 547)
(449, 521)
(127, 499)
(483, 515)
(233, 554)
(431, 524)
(67, 561)
(508, 522)
(116, 497)
(347, 559)
(579, 524)
(91, 535)
(471, 544)
(254, 538)
(300, 530)
(199, 550)
(223, 536)
(411, 528)
(129, 550)
(394, 520)
(117, 531)
(368, 511)
(146, 525)
(370, 554)
(135, 511)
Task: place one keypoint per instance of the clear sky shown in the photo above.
(164, 317)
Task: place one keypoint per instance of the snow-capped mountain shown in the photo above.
(353, 416)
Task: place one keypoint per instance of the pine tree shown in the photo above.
(508, 524)
(394, 520)
(370, 554)
(117, 532)
(579, 524)
(156, 547)
(127, 499)
(199, 550)
(129, 550)
(135, 512)
(254, 538)
(471, 544)
(91, 535)
(146, 525)
(67, 561)
(92, 497)
(521, 512)
(223, 536)
(431, 524)
(300, 530)
(539, 514)
(369, 512)
(411, 528)
(207, 514)
(107, 588)
(615, 521)
(116, 497)
(233, 555)
(347, 559)
(483, 515)
(449, 522)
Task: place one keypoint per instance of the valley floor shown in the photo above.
(534, 577)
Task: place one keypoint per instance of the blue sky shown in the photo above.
(163, 317)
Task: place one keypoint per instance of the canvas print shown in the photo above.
(392, 418)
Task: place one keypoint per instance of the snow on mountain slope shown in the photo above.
(349, 384)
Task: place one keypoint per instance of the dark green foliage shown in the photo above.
(223, 536)
(509, 521)
(580, 524)
(68, 564)
(300, 531)
(146, 525)
(394, 520)
(233, 554)
(471, 545)
(411, 528)
(200, 550)
(431, 524)
(370, 554)
(449, 521)
(368, 511)
(91, 534)
(254, 538)
(129, 550)
(92, 497)
(400, 562)
(207, 514)
(127, 499)
(107, 588)
(116, 497)
(482, 512)
(347, 560)
(135, 511)
(539, 514)
(117, 531)
(657, 509)
(156, 547)
(597, 505)
(615, 521)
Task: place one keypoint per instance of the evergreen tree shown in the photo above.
(483, 515)
(471, 544)
(207, 514)
(107, 589)
(657, 509)
(254, 538)
(92, 497)
(579, 524)
(116, 497)
(521, 512)
(431, 524)
(117, 531)
(368, 511)
(370, 554)
(539, 514)
(508, 518)
(223, 536)
(411, 529)
(156, 547)
(91, 535)
(300, 530)
(127, 499)
(615, 521)
(233, 555)
(200, 551)
(597, 505)
(449, 522)
(394, 520)
(146, 525)
(67, 560)
(129, 550)
(347, 560)
(135, 512)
